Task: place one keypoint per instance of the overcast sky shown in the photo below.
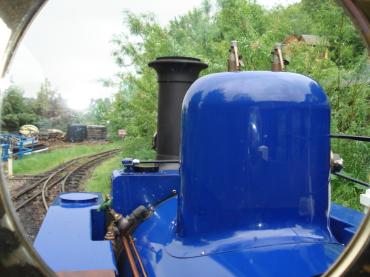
(69, 43)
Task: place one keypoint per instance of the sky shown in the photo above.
(69, 43)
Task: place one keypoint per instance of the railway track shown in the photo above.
(32, 200)
(28, 177)
(68, 176)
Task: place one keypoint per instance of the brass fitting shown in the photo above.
(116, 216)
(111, 234)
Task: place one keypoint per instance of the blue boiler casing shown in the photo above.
(254, 193)
(132, 189)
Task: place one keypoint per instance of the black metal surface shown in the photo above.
(169, 196)
(352, 179)
(160, 162)
(76, 132)
(351, 137)
(146, 168)
(152, 165)
(175, 76)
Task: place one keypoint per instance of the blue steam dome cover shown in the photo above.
(255, 154)
(253, 199)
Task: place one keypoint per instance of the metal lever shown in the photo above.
(234, 62)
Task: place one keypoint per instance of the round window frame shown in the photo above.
(355, 259)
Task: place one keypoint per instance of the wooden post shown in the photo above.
(10, 164)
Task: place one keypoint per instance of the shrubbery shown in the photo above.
(206, 32)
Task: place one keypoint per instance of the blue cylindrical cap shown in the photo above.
(254, 153)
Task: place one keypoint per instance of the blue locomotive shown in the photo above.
(239, 188)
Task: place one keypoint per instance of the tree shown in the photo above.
(206, 32)
(16, 110)
(207, 35)
(98, 111)
(51, 108)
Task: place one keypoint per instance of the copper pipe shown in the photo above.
(130, 258)
(137, 255)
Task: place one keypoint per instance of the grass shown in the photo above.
(45, 161)
(346, 193)
(342, 192)
(357, 165)
(100, 178)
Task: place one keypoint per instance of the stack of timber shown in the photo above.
(55, 135)
(96, 132)
(43, 135)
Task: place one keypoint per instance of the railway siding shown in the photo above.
(34, 193)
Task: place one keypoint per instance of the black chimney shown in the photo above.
(175, 76)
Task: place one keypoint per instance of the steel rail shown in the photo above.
(28, 188)
(63, 180)
(46, 180)
(27, 177)
(37, 193)
(103, 156)
(29, 199)
(38, 182)
(46, 185)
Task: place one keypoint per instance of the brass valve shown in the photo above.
(111, 233)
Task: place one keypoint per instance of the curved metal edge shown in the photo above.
(355, 259)
(17, 258)
(356, 10)
(21, 256)
(18, 32)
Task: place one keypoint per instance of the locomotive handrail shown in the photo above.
(351, 137)
(356, 138)
(351, 179)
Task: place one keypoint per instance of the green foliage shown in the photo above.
(98, 112)
(16, 110)
(206, 32)
(51, 108)
(345, 78)
(48, 110)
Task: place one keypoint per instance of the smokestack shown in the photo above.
(175, 76)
